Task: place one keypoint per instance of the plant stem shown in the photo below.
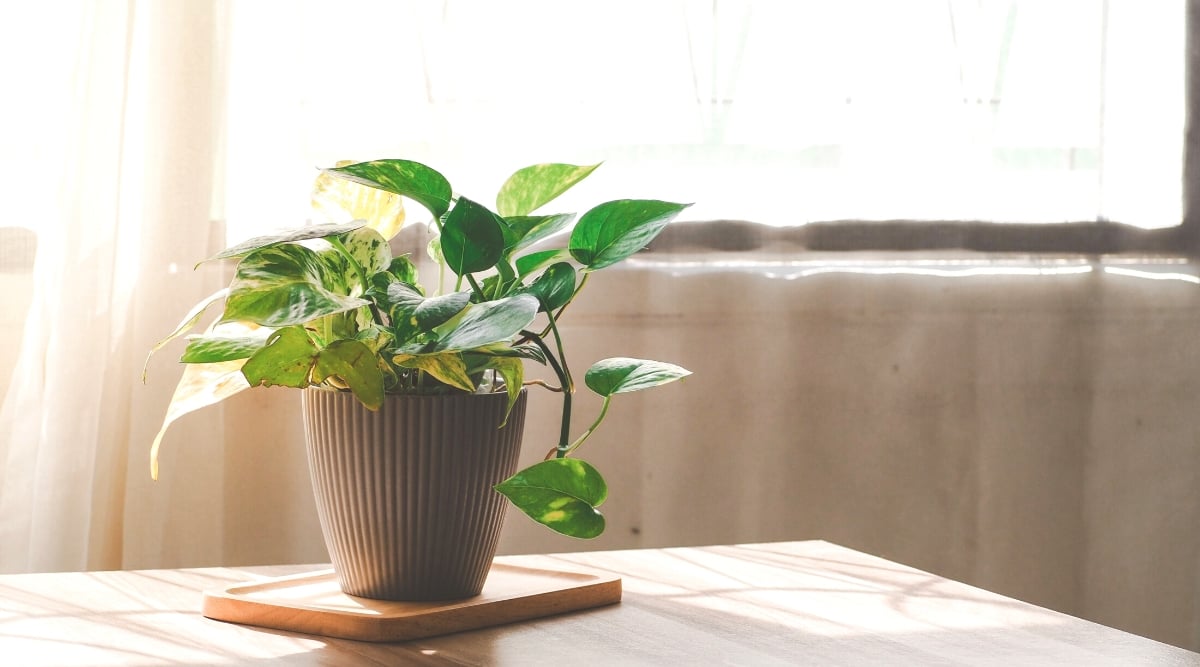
(439, 258)
(564, 435)
(475, 286)
(562, 310)
(568, 390)
(569, 386)
(591, 429)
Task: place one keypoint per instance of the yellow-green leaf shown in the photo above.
(403, 177)
(512, 369)
(355, 364)
(447, 367)
(201, 385)
(533, 186)
(286, 360)
(341, 200)
(561, 494)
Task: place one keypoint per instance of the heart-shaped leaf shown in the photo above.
(286, 360)
(531, 187)
(404, 302)
(562, 494)
(282, 285)
(355, 364)
(437, 310)
(621, 375)
(488, 322)
(555, 287)
(369, 249)
(472, 238)
(615, 230)
(403, 177)
(403, 269)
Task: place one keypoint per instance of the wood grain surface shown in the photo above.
(784, 603)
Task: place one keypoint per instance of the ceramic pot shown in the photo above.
(405, 494)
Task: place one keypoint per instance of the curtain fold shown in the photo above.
(124, 184)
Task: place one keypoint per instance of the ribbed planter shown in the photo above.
(405, 494)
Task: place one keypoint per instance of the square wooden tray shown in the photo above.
(312, 603)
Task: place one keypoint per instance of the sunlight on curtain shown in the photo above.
(776, 112)
(114, 144)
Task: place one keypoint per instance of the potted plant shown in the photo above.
(414, 397)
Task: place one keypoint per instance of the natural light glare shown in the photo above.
(775, 112)
(1152, 275)
(796, 269)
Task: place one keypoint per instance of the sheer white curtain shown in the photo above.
(109, 120)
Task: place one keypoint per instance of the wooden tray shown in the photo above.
(312, 603)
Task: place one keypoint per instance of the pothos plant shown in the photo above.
(328, 305)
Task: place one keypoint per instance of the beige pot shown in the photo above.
(405, 494)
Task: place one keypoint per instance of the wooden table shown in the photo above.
(785, 603)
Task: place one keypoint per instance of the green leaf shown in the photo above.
(339, 200)
(434, 250)
(535, 261)
(526, 351)
(403, 177)
(404, 302)
(562, 494)
(369, 249)
(304, 233)
(435, 311)
(512, 370)
(524, 231)
(615, 230)
(621, 375)
(374, 337)
(201, 385)
(488, 322)
(555, 287)
(215, 348)
(472, 238)
(448, 367)
(279, 286)
(403, 269)
(355, 365)
(510, 367)
(286, 360)
(531, 187)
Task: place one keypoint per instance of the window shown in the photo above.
(841, 117)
